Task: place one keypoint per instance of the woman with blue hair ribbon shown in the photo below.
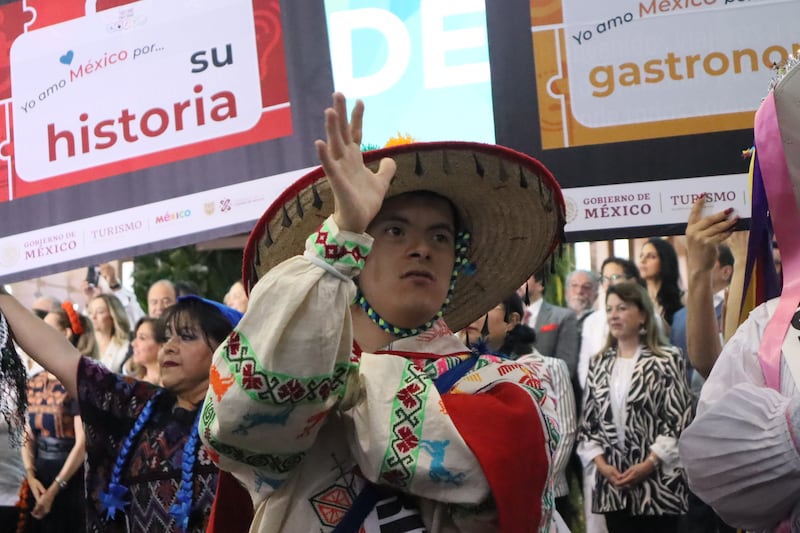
(146, 467)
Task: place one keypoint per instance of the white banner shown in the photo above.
(653, 203)
(74, 107)
(159, 221)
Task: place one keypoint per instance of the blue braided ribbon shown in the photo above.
(115, 498)
(182, 507)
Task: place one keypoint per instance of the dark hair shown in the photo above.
(724, 255)
(520, 340)
(669, 294)
(158, 331)
(513, 304)
(458, 222)
(158, 335)
(541, 275)
(185, 288)
(628, 267)
(633, 293)
(190, 312)
(85, 343)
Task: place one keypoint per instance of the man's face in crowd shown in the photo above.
(159, 297)
(581, 292)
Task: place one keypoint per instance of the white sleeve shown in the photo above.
(584, 355)
(593, 337)
(741, 456)
(565, 415)
(738, 361)
(666, 448)
(587, 450)
(276, 379)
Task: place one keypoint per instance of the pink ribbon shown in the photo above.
(786, 223)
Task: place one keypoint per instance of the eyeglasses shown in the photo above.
(613, 277)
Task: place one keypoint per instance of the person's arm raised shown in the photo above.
(358, 192)
(42, 343)
(275, 334)
(702, 236)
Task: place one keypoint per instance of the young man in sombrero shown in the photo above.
(343, 402)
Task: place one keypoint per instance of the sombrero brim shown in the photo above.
(509, 202)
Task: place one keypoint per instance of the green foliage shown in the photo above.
(213, 272)
(564, 264)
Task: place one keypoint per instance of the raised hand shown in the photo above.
(738, 245)
(357, 191)
(704, 233)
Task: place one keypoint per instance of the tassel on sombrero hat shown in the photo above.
(508, 202)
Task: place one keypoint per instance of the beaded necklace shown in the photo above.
(115, 499)
(461, 264)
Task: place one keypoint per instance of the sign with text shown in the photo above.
(122, 89)
(614, 207)
(74, 84)
(114, 109)
(636, 69)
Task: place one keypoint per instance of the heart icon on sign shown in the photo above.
(67, 58)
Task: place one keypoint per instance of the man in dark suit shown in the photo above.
(556, 327)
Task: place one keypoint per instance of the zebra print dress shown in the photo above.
(658, 404)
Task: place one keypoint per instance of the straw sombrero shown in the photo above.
(508, 201)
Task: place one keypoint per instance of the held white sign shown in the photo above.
(654, 203)
(132, 81)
